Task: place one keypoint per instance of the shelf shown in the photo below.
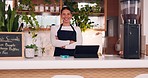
(97, 14)
(40, 13)
(57, 13)
(93, 14)
(99, 29)
(41, 29)
(88, 1)
(102, 3)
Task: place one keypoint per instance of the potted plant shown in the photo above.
(9, 29)
(32, 30)
(47, 1)
(9, 21)
(57, 6)
(81, 18)
(29, 18)
(25, 5)
(30, 50)
(71, 4)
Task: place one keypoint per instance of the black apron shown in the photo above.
(65, 35)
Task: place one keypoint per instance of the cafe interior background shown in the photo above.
(108, 40)
(45, 20)
(105, 39)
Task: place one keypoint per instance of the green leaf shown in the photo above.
(15, 24)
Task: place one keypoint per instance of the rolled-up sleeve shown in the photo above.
(54, 41)
(78, 37)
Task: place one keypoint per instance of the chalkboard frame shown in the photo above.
(21, 42)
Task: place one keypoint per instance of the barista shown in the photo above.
(65, 37)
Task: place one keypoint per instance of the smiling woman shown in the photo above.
(66, 16)
(65, 37)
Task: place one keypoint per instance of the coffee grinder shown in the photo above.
(131, 29)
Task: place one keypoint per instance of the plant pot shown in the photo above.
(24, 7)
(29, 52)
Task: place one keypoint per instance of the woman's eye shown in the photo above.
(68, 14)
(63, 14)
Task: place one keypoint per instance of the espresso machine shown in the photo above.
(131, 28)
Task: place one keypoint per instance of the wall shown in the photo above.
(43, 38)
(90, 37)
(112, 26)
(145, 18)
(45, 20)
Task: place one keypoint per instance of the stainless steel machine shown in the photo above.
(131, 26)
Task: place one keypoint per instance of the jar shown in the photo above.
(51, 8)
(41, 8)
(36, 8)
(46, 7)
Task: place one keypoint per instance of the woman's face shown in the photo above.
(66, 16)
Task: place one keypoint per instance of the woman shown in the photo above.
(65, 37)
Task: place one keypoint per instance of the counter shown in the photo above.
(108, 61)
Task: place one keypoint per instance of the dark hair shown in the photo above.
(67, 8)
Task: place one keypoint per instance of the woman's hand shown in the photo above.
(56, 38)
(71, 41)
(63, 47)
(121, 53)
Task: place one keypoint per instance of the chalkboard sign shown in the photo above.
(11, 44)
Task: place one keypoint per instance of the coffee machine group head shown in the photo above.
(131, 35)
(130, 11)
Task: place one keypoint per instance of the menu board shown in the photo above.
(11, 44)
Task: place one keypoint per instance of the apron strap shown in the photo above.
(70, 25)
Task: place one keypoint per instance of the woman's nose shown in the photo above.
(66, 15)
